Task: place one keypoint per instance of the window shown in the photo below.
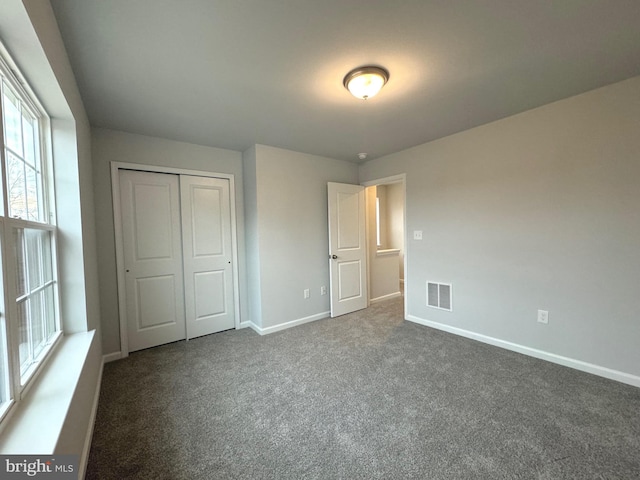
(22, 158)
(35, 306)
(29, 323)
(378, 241)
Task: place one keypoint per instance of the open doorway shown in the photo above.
(386, 238)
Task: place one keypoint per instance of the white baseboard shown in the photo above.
(251, 325)
(292, 323)
(111, 357)
(532, 352)
(84, 457)
(385, 297)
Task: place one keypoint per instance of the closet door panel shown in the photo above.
(207, 253)
(151, 239)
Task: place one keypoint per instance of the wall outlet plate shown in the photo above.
(323, 290)
(306, 293)
(543, 316)
(417, 234)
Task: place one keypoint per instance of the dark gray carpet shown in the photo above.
(363, 396)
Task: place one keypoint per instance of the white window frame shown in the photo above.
(19, 385)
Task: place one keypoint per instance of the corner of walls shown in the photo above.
(249, 172)
(291, 232)
(534, 211)
(73, 300)
(88, 219)
(110, 327)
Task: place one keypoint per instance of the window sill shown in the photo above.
(35, 423)
(31, 375)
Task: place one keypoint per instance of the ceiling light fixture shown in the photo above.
(365, 82)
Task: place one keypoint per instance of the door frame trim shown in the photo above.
(399, 178)
(119, 243)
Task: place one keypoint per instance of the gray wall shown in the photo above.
(537, 211)
(112, 146)
(291, 230)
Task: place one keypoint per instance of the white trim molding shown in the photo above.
(112, 357)
(284, 326)
(84, 457)
(388, 252)
(533, 352)
(386, 297)
(252, 326)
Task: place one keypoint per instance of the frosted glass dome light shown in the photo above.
(365, 82)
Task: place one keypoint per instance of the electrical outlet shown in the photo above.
(307, 293)
(417, 234)
(323, 290)
(543, 316)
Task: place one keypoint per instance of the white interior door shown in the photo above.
(207, 253)
(152, 250)
(347, 248)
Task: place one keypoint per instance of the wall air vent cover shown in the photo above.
(439, 295)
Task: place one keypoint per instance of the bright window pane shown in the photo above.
(29, 136)
(378, 243)
(38, 337)
(4, 371)
(26, 358)
(49, 311)
(24, 177)
(36, 289)
(34, 257)
(47, 264)
(16, 187)
(12, 121)
(4, 363)
(21, 263)
(31, 320)
(33, 202)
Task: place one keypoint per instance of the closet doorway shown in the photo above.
(175, 249)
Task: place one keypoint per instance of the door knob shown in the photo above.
(333, 256)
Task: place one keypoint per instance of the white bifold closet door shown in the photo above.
(206, 247)
(177, 256)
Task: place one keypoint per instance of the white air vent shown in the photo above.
(439, 295)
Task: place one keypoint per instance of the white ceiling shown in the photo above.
(232, 73)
